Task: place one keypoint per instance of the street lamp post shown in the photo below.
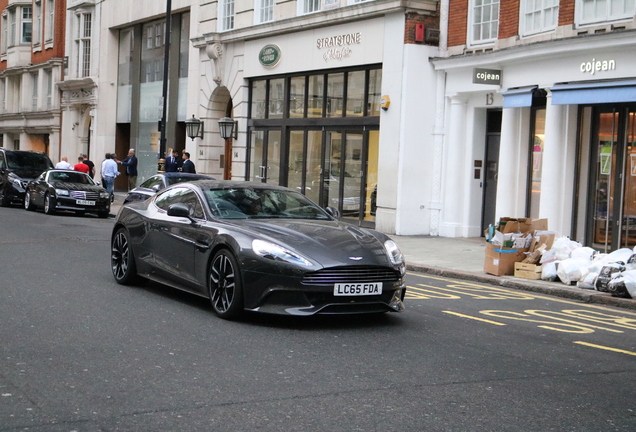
(164, 96)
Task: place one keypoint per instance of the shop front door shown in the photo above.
(265, 156)
(612, 224)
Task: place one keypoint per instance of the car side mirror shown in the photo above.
(156, 188)
(98, 183)
(180, 210)
(333, 212)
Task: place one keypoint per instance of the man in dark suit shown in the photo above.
(188, 165)
(131, 169)
(173, 162)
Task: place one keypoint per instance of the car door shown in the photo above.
(39, 188)
(174, 239)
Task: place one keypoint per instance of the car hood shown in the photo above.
(77, 187)
(27, 174)
(330, 243)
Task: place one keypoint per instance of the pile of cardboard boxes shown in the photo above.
(514, 247)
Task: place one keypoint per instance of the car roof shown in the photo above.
(182, 174)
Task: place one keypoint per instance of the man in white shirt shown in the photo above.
(63, 164)
(109, 171)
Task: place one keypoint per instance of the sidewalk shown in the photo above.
(463, 258)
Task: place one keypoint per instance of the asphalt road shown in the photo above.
(81, 353)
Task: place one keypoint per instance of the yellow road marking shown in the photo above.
(605, 348)
(475, 318)
(535, 295)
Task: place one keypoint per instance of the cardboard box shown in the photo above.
(501, 261)
(510, 225)
(528, 271)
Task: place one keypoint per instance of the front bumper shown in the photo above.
(66, 203)
(277, 294)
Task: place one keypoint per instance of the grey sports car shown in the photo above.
(257, 247)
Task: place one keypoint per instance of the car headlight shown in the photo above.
(278, 253)
(104, 195)
(15, 180)
(61, 192)
(395, 254)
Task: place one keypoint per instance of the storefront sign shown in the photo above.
(594, 66)
(269, 55)
(486, 76)
(338, 46)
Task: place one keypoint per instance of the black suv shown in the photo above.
(17, 168)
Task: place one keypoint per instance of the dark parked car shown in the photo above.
(17, 169)
(257, 247)
(67, 190)
(159, 182)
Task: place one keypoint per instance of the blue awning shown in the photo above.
(594, 93)
(518, 97)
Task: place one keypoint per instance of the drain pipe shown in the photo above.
(438, 130)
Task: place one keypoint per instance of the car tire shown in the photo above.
(4, 200)
(225, 287)
(28, 205)
(122, 259)
(49, 204)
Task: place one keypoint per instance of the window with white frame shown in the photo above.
(48, 76)
(226, 15)
(3, 95)
(50, 20)
(12, 26)
(5, 32)
(27, 24)
(308, 6)
(539, 16)
(34, 91)
(484, 21)
(84, 23)
(264, 11)
(37, 26)
(594, 11)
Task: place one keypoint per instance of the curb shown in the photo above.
(543, 287)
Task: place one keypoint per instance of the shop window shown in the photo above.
(263, 11)
(484, 21)
(297, 97)
(276, 98)
(594, 11)
(258, 99)
(536, 161)
(335, 91)
(226, 15)
(355, 93)
(539, 16)
(374, 93)
(315, 95)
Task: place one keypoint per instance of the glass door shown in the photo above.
(265, 156)
(614, 188)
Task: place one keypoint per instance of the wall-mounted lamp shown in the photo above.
(228, 128)
(194, 128)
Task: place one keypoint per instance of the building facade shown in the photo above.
(32, 38)
(539, 117)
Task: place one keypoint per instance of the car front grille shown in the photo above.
(83, 195)
(351, 274)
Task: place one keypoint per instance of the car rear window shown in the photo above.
(28, 160)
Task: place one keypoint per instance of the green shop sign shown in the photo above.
(269, 55)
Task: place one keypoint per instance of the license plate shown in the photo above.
(357, 289)
(84, 202)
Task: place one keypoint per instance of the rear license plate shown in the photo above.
(84, 202)
(357, 289)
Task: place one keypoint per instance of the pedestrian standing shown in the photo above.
(80, 165)
(131, 168)
(91, 165)
(173, 163)
(109, 172)
(63, 164)
(188, 165)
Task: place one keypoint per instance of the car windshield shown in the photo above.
(28, 160)
(70, 177)
(256, 203)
